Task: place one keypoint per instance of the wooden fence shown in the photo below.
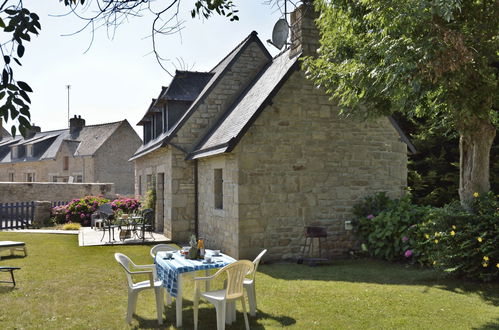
(16, 215)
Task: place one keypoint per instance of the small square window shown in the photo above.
(218, 188)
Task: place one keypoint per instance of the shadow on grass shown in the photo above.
(208, 320)
(494, 325)
(381, 272)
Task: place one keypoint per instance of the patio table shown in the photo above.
(172, 272)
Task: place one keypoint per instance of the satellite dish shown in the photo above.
(280, 33)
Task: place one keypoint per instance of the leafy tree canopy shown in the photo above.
(431, 58)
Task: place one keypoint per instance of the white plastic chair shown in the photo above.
(135, 288)
(233, 291)
(249, 284)
(162, 247)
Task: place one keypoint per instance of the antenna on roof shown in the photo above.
(281, 31)
(68, 87)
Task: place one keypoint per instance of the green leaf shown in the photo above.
(20, 50)
(24, 86)
(13, 131)
(23, 121)
(6, 59)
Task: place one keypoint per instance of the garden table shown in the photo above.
(173, 271)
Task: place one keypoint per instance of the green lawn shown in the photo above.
(63, 286)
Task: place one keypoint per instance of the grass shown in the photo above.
(63, 286)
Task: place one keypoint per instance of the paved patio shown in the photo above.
(93, 237)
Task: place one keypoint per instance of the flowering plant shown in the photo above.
(125, 205)
(78, 210)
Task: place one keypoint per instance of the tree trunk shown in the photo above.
(475, 144)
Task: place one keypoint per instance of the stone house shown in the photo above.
(3, 131)
(80, 153)
(257, 152)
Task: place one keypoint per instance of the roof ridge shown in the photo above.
(110, 123)
(253, 33)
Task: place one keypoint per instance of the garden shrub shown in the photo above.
(71, 226)
(78, 210)
(150, 200)
(386, 234)
(461, 242)
(125, 205)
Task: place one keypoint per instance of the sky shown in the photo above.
(117, 77)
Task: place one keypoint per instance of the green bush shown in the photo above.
(78, 210)
(71, 226)
(459, 241)
(386, 235)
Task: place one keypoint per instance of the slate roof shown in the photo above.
(186, 85)
(214, 76)
(218, 71)
(84, 143)
(240, 116)
(4, 132)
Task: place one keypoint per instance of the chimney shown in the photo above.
(304, 32)
(76, 124)
(30, 132)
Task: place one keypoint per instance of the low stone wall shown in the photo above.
(11, 192)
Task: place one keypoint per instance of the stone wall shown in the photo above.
(219, 227)
(46, 170)
(223, 95)
(177, 216)
(300, 164)
(111, 160)
(11, 192)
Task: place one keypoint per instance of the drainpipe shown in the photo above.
(196, 199)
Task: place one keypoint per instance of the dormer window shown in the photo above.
(15, 152)
(29, 150)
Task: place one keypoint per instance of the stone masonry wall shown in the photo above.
(231, 85)
(301, 164)
(178, 183)
(111, 160)
(219, 227)
(11, 192)
(158, 161)
(45, 170)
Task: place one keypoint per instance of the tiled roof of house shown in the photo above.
(240, 115)
(86, 142)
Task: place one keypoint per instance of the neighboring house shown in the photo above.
(3, 131)
(256, 152)
(94, 153)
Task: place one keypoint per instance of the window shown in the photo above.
(30, 177)
(65, 163)
(29, 150)
(165, 118)
(11, 177)
(15, 152)
(54, 178)
(140, 185)
(78, 178)
(218, 188)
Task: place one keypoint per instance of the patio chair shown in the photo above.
(162, 247)
(249, 284)
(11, 270)
(147, 224)
(233, 291)
(135, 288)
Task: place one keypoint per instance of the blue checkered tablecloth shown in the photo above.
(169, 269)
